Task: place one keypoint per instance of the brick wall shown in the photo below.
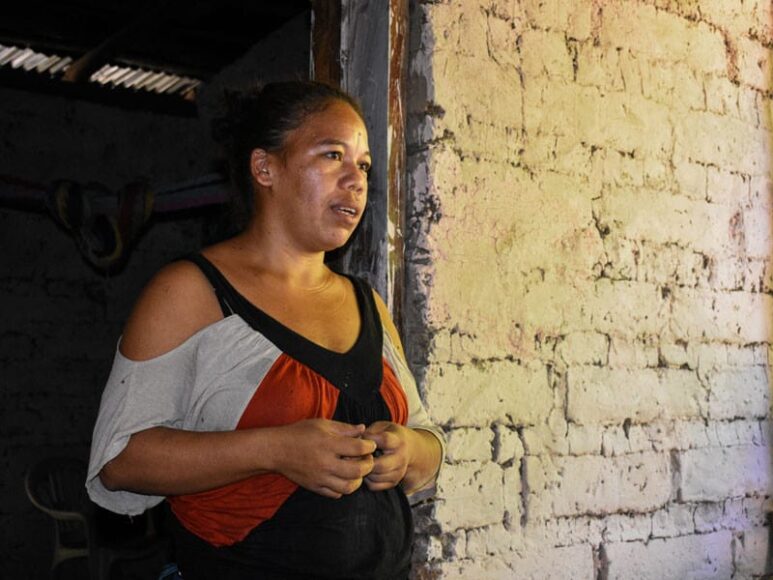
(590, 285)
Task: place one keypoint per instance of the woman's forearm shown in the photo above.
(425, 461)
(327, 457)
(164, 461)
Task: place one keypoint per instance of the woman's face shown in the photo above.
(318, 182)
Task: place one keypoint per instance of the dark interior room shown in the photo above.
(107, 172)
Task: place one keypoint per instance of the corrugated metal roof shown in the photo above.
(110, 75)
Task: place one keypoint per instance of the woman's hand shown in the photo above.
(395, 443)
(410, 457)
(327, 457)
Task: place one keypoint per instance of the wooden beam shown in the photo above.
(82, 69)
(397, 178)
(326, 41)
(374, 37)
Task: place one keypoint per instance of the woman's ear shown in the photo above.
(259, 167)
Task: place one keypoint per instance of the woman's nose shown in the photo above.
(356, 179)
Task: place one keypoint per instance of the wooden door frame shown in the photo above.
(362, 46)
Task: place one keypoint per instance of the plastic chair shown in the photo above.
(56, 487)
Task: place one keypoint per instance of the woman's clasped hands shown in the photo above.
(332, 458)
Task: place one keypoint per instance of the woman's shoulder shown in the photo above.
(387, 322)
(176, 303)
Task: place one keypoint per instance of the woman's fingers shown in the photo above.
(327, 457)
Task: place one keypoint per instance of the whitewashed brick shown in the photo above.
(619, 307)
(637, 353)
(568, 531)
(472, 495)
(716, 473)
(584, 348)
(725, 187)
(585, 439)
(739, 393)
(543, 439)
(627, 528)
(691, 180)
(709, 356)
(748, 106)
(739, 433)
(508, 445)
(599, 67)
(734, 515)
(721, 95)
(573, 18)
(702, 557)
(480, 395)
(742, 356)
(708, 517)
(693, 434)
(600, 395)
(674, 520)
(752, 553)
(513, 488)
(757, 510)
(663, 36)
(753, 63)
(455, 544)
(488, 541)
(469, 444)
(757, 233)
(564, 486)
(656, 176)
(678, 219)
(675, 355)
(722, 316)
(532, 564)
(739, 149)
(614, 441)
(434, 549)
(622, 259)
(546, 53)
(620, 439)
(607, 217)
(487, 568)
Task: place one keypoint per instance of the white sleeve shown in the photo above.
(138, 396)
(417, 414)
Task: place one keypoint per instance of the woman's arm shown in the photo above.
(326, 457)
(316, 454)
(410, 456)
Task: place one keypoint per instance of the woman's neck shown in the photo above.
(270, 254)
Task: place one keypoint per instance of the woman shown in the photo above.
(264, 395)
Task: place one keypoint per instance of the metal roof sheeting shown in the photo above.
(110, 75)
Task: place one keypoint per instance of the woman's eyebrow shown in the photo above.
(331, 141)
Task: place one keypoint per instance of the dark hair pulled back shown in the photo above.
(261, 118)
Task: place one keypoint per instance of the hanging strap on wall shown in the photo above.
(103, 223)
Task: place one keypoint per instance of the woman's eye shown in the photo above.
(337, 155)
(365, 167)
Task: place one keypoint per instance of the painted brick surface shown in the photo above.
(589, 279)
(705, 556)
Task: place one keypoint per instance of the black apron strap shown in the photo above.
(216, 279)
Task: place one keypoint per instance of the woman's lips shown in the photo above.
(347, 211)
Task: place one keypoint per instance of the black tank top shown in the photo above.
(364, 535)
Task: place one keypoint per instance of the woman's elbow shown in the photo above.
(122, 472)
(112, 476)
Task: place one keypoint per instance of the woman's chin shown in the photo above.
(336, 243)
